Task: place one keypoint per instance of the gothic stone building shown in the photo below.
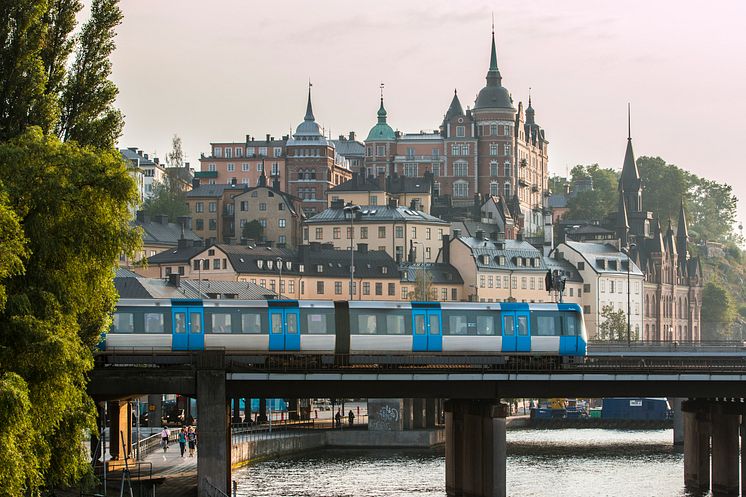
(673, 279)
(492, 149)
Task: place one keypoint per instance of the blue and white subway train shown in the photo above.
(354, 328)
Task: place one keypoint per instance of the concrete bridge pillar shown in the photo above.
(725, 452)
(406, 414)
(262, 410)
(696, 445)
(418, 414)
(678, 420)
(120, 424)
(430, 413)
(214, 455)
(743, 455)
(475, 448)
(155, 413)
(247, 409)
(236, 410)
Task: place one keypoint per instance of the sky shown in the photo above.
(219, 70)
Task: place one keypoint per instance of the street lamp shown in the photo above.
(199, 277)
(351, 210)
(628, 253)
(279, 285)
(422, 295)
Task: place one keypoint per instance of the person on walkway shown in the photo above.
(338, 418)
(182, 438)
(165, 434)
(192, 440)
(351, 417)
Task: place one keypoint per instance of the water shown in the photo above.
(561, 463)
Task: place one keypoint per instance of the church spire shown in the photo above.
(381, 110)
(493, 74)
(530, 115)
(622, 221)
(682, 233)
(630, 182)
(309, 108)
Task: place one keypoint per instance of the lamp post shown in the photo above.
(351, 210)
(279, 284)
(423, 283)
(628, 253)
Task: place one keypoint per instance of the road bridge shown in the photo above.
(475, 419)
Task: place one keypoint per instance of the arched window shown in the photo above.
(647, 332)
(647, 308)
(461, 189)
(506, 190)
(494, 188)
(493, 168)
(507, 168)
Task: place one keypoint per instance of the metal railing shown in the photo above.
(210, 490)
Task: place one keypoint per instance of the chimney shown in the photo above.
(276, 183)
(161, 219)
(393, 202)
(362, 248)
(185, 221)
(519, 236)
(415, 204)
(338, 204)
(156, 160)
(195, 183)
(352, 136)
(479, 235)
(267, 137)
(183, 243)
(456, 233)
(382, 180)
(174, 279)
(146, 156)
(446, 249)
(302, 251)
(248, 138)
(315, 246)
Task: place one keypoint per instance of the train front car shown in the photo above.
(558, 330)
(140, 324)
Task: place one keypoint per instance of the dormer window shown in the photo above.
(384, 270)
(502, 260)
(288, 265)
(319, 268)
(270, 264)
(519, 261)
(260, 264)
(300, 268)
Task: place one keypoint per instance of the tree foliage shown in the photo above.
(718, 312)
(167, 198)
(599, 202)
(253, 230)
(64, 221)
(613, 325)
(423, 286)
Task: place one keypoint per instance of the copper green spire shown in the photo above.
(493, 75)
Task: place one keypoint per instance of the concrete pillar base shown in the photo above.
(725, 453)
(214, 454)
(696, 423)
(678, 420)
(120, 428)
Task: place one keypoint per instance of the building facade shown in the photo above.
(212, 209)
(279, 214)
(244, 162)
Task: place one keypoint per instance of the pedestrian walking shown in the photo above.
(338, 418)
(351, 417)
(165, 435)
(182, 438)
(192, 440)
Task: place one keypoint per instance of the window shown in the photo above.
(338, 288)
(587, 287)
(506, 168)
(319, 268)
(319, 233)
(494, 189)
(507, 148)
(319, 287)
(199, 224)
(493, 129)
(263, 223)
(263, 151)
(213, 206)
(275, 169)
(410, 169)
(586, 309)
(455, 149)
(404, 293)
(414, 232)
(262, 206)
(282, 239)
(482, 279)
(602, 286)
(493, 149)
(399, 231)
(382, 232)
(216, 263)
(153, 322)
(366, 288)
(244, 206)
(231, 167)
(337, 233)
(221, 322)
(124, 322)
(493, 168)
(277, 151)
(581, 266)
(506, 189)
(364, 232)
(281, 223)
(379, 288)
(380, 150)
(460, 168)
(245, 166)
(461, 189)
(212, 225)
(464, 149)
(428, 253)
(460, 131)
(350, 232)
(392, 289)
(211, 167)
(199, 207)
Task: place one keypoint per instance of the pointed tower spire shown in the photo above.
(309, 108)
(683, 229)
(530, 115)
(630, 182)
(622, 221)
(493, 74)
(454, 109)
(382, 110)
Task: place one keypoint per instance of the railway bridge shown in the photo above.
(713, 379)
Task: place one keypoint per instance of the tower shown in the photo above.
(381, 145)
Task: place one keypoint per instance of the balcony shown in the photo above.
(534, 188)
(523, 182)
(418, 158)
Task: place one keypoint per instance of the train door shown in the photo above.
(516, 334)
(188, 332)
(427, 332)
(284, 328)
(570, 332)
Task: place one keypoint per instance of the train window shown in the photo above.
(522, 325)
(316, 323)
(419, 324)
(572, 324)
(434, 324)
(221, 322)
(153, 322)
(195, 323)
(123, 322)
(179, 323)
(546, 324)
(291, 321)
(366, 324)
(275, 323)
(396, 324)
(486, 324)
(251, 323)
(457, 325)
(509, 325)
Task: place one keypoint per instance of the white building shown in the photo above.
(604, 270)
(152, 170)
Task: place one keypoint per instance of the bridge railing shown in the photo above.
(699, 346)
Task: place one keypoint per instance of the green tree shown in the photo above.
(175, 157)
(167, 198)
(613, 325)
(713, 210)
(253, 230)
(557, 184)
(599, 202)
(12, 245)
(88, 113)
(423, 285)
(665, 186)
(718, 312)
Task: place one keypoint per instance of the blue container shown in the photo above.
(636, 408)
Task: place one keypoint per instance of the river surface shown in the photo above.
(557, 463)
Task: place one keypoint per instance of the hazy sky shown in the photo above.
(214, 71)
